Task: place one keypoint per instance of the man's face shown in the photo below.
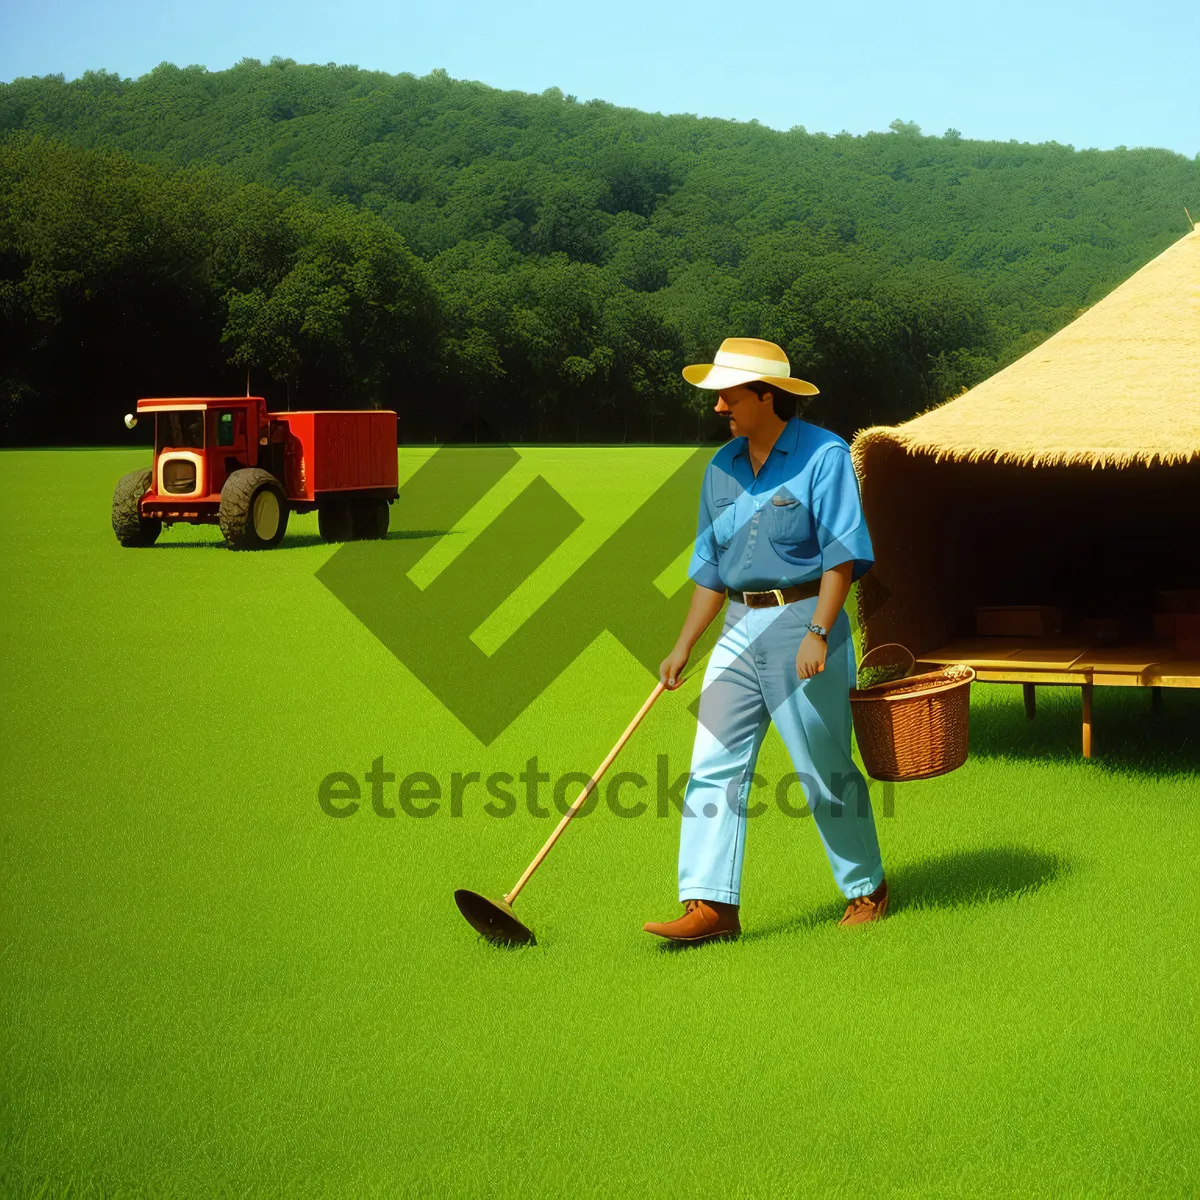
(744, 409)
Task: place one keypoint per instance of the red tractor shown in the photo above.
(231, 463)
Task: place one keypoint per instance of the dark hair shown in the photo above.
(785, 404)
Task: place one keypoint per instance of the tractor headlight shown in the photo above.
(179, 476)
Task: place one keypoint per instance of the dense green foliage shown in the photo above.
(132, 279)
(445, 247)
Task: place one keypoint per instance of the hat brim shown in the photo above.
(714, 378)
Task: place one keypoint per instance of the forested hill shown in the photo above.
(446, 248)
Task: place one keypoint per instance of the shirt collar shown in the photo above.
(785, 443)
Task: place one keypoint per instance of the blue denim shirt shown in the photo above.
(798, 517)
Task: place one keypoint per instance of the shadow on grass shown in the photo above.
(490, 947)
(1127, 736)
(298, 541)
(967, 877)
(688, 947)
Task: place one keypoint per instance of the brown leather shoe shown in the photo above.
(867, 908)
(702, 921)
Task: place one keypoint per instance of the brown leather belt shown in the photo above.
(776, 596)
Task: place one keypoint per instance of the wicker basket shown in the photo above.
(915, 727)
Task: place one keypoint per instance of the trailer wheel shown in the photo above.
(131, 528)
(370, 519)
(336, 521)
(254, 510)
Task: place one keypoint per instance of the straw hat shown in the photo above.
(744, 360)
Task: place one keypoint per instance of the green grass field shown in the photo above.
(211, 988)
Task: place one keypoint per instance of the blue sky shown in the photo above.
(1087, 74)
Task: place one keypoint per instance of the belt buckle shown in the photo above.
(776, 592)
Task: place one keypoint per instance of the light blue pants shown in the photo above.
(751, 681)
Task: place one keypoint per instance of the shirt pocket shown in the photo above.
(724, 520)
(789, 523)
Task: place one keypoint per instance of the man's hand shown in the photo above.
(671, 668)
(810, 658)
(705, 604)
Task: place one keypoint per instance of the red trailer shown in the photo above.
(229, 462)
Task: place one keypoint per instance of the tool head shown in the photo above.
(494, 919)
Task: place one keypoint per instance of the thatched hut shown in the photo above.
(1070, 478)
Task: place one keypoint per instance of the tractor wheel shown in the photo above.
(335, 521)
(254, 510)
(370, 519)
(131, 528)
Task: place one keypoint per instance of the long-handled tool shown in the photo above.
(495, 919)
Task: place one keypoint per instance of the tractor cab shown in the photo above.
(198, 444)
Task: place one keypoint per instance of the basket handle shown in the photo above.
(889, 654)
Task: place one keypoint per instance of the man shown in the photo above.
(782, 534)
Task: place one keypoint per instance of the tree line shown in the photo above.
(528, 267)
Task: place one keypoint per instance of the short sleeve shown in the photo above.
(837, 512)
(703, 567)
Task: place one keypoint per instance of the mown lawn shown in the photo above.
(211, 988)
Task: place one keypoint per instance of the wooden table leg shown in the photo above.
(1156, 701)
(1030, 694)
(1086, 691)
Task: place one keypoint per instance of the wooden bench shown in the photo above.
(1064, 661)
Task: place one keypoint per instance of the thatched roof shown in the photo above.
(1119, 385)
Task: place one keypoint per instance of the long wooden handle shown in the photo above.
(587, 791)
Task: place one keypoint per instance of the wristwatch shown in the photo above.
(819, 630)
